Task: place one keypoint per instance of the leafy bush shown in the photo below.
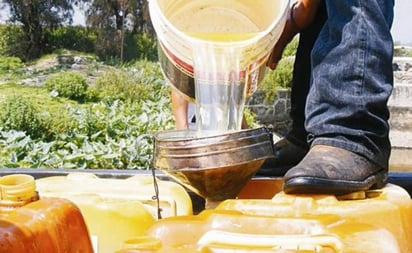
(250, 118)
(70, 85)
(106, 136)
(18, 113)
(9, 64)
(139, 82)
(76, 38)
(116, 84)
(290, 49)
(109, 134)
(279, 78)
(12, 41)
(146, 47)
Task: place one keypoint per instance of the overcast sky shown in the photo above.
(401, 29)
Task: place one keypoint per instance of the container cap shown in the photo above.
(17, 188)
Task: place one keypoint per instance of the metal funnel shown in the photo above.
(215, 166)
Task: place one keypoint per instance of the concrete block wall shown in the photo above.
(272, 114)
(400, 104)
(275, 114)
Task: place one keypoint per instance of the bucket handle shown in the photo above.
(155, 197)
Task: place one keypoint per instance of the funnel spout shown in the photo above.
(215, 52)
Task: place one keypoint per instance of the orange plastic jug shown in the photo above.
(117, 209)
(30, 224)
(375, 221)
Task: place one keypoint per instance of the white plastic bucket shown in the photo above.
(214, 52)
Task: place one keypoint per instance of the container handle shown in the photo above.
(155, 197)
(315, 243)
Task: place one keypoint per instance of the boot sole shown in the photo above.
(314, 185)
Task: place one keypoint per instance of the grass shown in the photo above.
(38, 95)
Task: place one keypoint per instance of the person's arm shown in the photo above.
(301, 14)
(179, 108)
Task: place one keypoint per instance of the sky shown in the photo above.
(401, 32)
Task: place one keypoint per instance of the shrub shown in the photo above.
(19, 113)
(12, 41)
(290, 49)
(117, 84)
(72, 38)
(146, 46)
(250, 118)
(142, 81)
(279, 78)
(70, 85)
(10, 64)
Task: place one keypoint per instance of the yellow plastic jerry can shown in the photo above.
(371, 221)
(173, 199)
(117, 209)
(31, 223)
(374, 221)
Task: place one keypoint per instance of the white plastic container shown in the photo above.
(215, 52)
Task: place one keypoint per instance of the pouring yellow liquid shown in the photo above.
(220, 95)
(220, 72)
(214, 22)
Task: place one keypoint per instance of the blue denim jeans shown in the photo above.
(352, 79)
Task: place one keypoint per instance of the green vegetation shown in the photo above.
(133, 83)
(99, 114)
(8, 64)
(70, 85)
(19, 112)
(402, 51)
(281, 77)
(41, 130)
(115, 29)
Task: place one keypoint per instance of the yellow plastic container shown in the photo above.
(117, 209)
(30, 224)
(173, 198)
(373, 221)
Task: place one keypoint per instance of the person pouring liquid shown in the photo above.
(345, 106)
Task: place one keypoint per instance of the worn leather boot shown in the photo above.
(286, 155)
(336, 171)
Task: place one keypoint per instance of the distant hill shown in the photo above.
(403, 51)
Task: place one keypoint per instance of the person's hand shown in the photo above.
(289, 31)
(300, 15)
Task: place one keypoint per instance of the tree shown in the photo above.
(115, 18)
(35, 17)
